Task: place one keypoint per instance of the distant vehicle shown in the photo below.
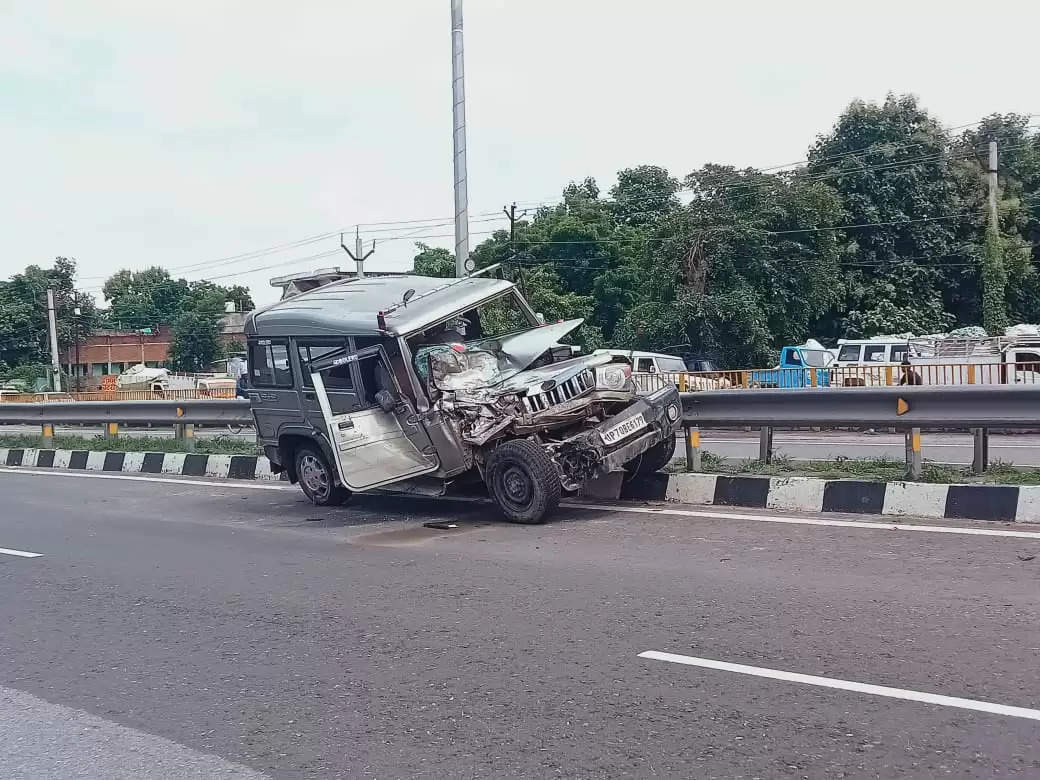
(797, 366)
(666, 370)
(953, 360)
(860, 362)
(869, 352)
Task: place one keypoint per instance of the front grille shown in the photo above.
(564, 391)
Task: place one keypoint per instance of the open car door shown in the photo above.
(383, 443)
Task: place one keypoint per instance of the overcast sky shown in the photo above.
(139, 133)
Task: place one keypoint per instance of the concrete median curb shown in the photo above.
(170, 463)
(1006, 503)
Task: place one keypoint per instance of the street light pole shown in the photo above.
(458, 112)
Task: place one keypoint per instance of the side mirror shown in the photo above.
(540, 317)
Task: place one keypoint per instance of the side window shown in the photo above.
(1027, 361)
(849, 353)
(794, 358)
(375, 376)
(644, 365)
(337, 378)
(899, 354)
(269, 363)
(874, 353)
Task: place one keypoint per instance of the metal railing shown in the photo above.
(121, 395)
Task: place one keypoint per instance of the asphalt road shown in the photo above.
(187, 629)
(1018, 449)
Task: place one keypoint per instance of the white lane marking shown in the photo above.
(865, 524)
(19, 553)
(848, 685)
(129, 478)
(642, 510)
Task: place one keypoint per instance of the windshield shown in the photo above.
(817, 358)
(462, 367)
(671, 364)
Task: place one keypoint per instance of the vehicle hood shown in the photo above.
(520, 350)
(558, 372)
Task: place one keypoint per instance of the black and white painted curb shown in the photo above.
(177, 463)
(807, 494)
(796, 494)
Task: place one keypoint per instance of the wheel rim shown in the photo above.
(314, 476)
(515, 486)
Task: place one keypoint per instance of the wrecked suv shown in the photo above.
(410, 383)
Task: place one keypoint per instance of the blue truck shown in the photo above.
(803, 366)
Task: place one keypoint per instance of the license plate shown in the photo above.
(623, 429)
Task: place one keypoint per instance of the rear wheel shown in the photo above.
(523, 481)
(318, 479)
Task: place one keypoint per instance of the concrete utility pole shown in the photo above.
(993, 220)
(458, 112)
(359, 255)
(55, 365)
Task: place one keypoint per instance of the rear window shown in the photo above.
(269, 364)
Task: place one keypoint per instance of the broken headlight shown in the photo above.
(613, 376)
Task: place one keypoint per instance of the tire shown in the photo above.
(318, 479)
(653, 460)
(523, 481)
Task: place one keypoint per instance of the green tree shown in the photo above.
(433, 261)
(151, 297)
(23, 312)
(195, 342)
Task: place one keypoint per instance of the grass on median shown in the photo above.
(220, 445)
(867, 469)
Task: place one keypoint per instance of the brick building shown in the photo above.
(107, 352)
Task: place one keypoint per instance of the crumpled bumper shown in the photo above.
(662, 412)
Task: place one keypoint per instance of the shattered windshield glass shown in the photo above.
(487, 362)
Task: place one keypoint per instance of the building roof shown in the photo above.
(351, 307)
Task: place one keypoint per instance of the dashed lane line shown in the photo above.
(19, 553)
(847, 685)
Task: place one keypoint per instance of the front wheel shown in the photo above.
(523, 481)
(318, 479)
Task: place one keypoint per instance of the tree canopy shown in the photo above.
(882, 229)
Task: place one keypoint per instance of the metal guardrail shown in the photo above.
(164, 412)
(1008, 406)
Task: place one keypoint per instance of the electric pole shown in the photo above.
(458, 113)
(55, 365)
(993, 220)
(359, 255)
(75, 329)
(512, 217)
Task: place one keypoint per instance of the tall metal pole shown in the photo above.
(458, 111)
(994, 222)
(55, 365)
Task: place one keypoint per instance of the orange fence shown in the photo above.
(891, 374)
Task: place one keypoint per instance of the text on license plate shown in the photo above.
(623, 429)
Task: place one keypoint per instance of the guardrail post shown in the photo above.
(693, 448)
(682, 382)
(980, 461)
(185, 433)
(765, 445)
(112, 431)
(913, 453)
(47, 436)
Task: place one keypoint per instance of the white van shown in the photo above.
(648, 362)
(869, 352)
